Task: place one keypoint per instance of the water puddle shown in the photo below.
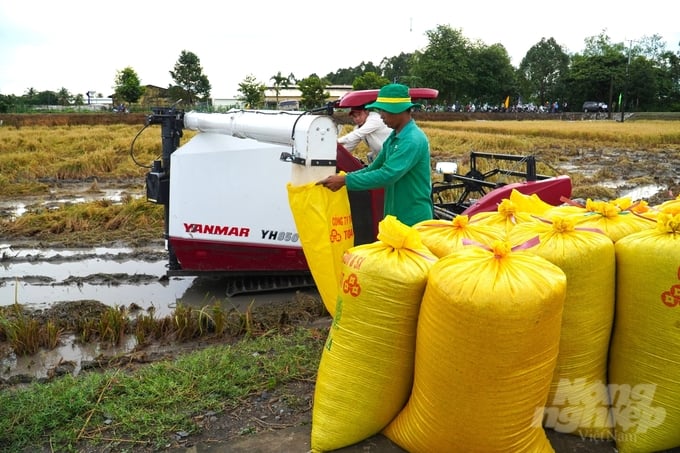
(39, 278)
(643, 192)
(69, 357)
(112, 276)
(13, 209)
(118, 277)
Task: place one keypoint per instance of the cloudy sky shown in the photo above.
(80, 45)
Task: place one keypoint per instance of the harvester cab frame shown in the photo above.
(171, 121)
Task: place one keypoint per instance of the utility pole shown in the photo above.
(625, 86)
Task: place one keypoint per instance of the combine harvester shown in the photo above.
(225, 195)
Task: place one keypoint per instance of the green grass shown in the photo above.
(147, 406)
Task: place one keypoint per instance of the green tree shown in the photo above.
(599, 73)
(652, 47)
(64, 97)
(127, 85)
(46, 98)
(398, 69)
(493, 77)
(669, 83)
(7, 103)
(543, 71)
(346, 76)
(280, 81)
(642, 82)
(369, 81)
(445, 63)
(651, 79)
(30, 96)
(600, 45)
(188, 76)
(313, 90)
(595, 78)
(252, 92)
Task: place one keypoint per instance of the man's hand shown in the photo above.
(333, 182)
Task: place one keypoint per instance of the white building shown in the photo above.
(288, 96)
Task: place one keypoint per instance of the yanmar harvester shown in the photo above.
(225, 195)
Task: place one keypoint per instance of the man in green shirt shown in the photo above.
(402, 167)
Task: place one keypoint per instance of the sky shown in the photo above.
(81, 45)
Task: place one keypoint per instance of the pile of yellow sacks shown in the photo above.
(476, 334)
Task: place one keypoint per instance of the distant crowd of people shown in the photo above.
(547, 107)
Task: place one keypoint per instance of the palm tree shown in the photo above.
(30, 95)
(64, 97)
(280, 81)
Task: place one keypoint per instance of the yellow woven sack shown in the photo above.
(443, 237)
(670, 206)
(486, 346)
(529, 203)
(605, 216)
(366, 369)
(644, 360)
(578, 401)
(506, 217)
(324, 223)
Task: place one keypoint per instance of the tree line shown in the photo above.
(191, 86)
(636, 75)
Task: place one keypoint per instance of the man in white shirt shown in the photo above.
(370, 128)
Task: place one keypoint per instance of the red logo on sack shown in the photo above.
(336, 236)
(671, 298)
(351, 285)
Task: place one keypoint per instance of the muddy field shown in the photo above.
(289, 407)
(624, 172)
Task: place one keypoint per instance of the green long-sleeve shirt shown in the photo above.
(402, 168)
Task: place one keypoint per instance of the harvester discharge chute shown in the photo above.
(224, 194)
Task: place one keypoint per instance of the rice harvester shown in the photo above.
(225, 195)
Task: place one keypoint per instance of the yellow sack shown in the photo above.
(324, 223)
(506, 217)
(578, 401)
(444, 237)
(529, 203)
(644, 359)
(670, 206)
(486, 346)
(605, 216)
(366, 369)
